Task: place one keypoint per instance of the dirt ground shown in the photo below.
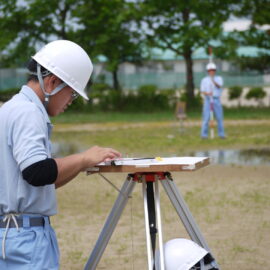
(231, 205)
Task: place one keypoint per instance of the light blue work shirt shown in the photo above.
(207, 85)
(25, 130)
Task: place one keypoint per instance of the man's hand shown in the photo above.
(70, 166)
(96, 154)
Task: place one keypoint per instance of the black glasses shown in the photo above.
(74, 95)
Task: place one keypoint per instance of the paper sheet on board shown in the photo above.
(154, 161)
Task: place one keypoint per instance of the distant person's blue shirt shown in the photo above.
(25, 130)
(208, 86)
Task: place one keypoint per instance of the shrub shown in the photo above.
(111, 101)
(148, 87)
(99, 87)
(146, 99)
(77, 105)
(8, 94)
(149, 100)
(256, 93)
(148, 90)
(192, 104)
(171, 96)
(183, 96)
(235, 92)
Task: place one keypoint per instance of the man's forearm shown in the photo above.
(216, 84)
(68, 168)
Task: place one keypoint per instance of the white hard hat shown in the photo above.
(180, 254)
(211, 66)
(68, 61)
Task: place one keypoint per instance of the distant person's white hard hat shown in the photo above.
(211, 66)
(68, 61)
(180, 254)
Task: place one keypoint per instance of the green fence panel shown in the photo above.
(178, 80)
(11, 78)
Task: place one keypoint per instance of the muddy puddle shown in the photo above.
(236, 156)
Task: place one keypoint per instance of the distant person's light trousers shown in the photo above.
(218, 113)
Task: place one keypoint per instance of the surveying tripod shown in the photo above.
(150, 189)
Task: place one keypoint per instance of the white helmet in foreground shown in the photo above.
(68, 61)
(182, 254)
(211, 66)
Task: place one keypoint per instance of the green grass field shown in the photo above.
(101, 117)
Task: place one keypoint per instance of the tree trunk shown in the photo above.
(189, 77)
(63, 17)
(189, 64)
(116, 84)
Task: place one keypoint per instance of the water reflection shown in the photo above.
(221, 156)
(237, 157)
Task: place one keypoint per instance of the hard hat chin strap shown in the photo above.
(41, 82)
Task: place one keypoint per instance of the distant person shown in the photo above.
(211, 87)
(58, 73)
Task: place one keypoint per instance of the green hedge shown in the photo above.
(235, 92)
(145, 99)
(102, 98)
(256, 93)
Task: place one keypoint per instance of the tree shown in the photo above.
(101, 27)
(107, 23)
(183, 26)
(257, 35)
(260, 63)
(30, 24)
(11, 23)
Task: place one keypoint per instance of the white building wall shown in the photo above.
(225, 66)
(127, 68)
(179, 67)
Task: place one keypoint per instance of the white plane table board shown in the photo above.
(134, 165)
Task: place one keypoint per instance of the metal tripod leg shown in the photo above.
(110, 224)
(150, 224)
(160, 236)
(150, 254)
(185, 215)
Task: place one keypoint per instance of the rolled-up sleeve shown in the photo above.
(28, 137)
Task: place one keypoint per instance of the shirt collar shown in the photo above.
(32, 96)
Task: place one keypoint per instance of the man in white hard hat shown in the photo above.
(29, 175)
(211, 87)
